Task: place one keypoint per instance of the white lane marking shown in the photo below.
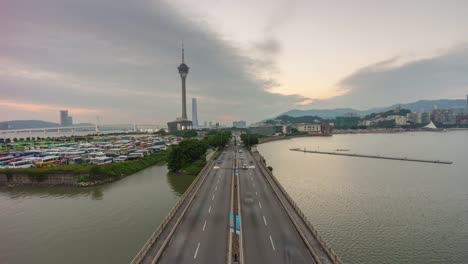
(209, 210)
(196, 251)
(256, 193)
(271, 240)
(204, 225)
(264, 220)
(213, 197)
(217, 182)
(259, 204)
(253, 184)
(216, 188)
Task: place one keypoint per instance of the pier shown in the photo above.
(371, 156)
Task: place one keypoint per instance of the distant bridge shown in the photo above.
(92, 128)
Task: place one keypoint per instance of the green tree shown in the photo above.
(185, 153)
(249, 139)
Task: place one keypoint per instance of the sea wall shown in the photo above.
(51, 179)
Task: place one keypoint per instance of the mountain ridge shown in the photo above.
(418, 106)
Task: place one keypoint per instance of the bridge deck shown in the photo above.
(273, 228)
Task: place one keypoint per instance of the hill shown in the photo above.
(418, 106)
(24, 124)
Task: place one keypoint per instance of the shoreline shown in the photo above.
(77, 175)
(359, 131)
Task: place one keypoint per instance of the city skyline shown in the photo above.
(114, 69)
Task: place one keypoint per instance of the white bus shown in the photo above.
(6, 158)
(101, 160)
(21, 164)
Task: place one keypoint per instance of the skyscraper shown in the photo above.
(183, 71)
(194, 113)
(65, 119)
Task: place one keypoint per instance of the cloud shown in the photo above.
(389, 82)
(120, 57)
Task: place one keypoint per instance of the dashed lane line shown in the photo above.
(272, 244)
(196, 251)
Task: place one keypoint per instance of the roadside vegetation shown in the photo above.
(189, 156)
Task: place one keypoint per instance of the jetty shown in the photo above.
(371, 156)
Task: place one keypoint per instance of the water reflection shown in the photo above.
(19, 192)
(179, 182)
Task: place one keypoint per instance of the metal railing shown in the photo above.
(326, 247)
(144, 250)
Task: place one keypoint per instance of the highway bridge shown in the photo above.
(236, 214)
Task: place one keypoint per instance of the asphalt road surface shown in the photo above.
(268, 234)
(202, 236)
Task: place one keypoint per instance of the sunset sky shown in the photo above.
(248, 60)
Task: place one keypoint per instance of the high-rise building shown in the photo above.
(239, 124)
(466, 110)
(210, 124)
(194, 113)
(205, 124)
(65, 119)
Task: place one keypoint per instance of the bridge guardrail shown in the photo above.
(141, 254)
(330, 252)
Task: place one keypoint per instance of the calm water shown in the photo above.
(102, 224)
(382, 211)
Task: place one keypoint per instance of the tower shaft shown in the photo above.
(184, 101)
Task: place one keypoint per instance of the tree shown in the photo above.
(185, 153)
(249, 139)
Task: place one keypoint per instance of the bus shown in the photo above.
(48, 161)
(6, 158)
(101, 160)
(20, 164)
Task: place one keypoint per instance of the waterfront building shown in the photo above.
(438, 115)
(308, 128)
(346, 122)
(262, 130)
(182, 123)
(400, 120)
(239, 124)
(414, 118)
(194, 113)
(425, 118)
